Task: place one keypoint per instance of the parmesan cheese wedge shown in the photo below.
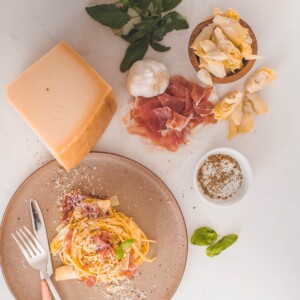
(66, 103)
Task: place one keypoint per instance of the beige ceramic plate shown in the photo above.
(142, 196)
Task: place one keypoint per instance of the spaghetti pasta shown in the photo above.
(96, 243)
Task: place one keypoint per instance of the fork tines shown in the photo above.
(28, 243)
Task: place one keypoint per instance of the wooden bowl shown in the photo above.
(248, 64)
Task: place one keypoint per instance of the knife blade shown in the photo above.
(40, 232)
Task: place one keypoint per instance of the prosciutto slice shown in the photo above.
(168, 118)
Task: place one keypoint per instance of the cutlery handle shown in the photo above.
(52, 288)
(46, 294)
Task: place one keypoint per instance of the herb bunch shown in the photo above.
(206, 236)
(154, 22)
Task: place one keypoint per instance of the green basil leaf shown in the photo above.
(140, 31)
(171, 21)
(158, 47)
(142, 4)
(119, 252)
(134, 52)
(176, 20)
(126, 2)
(109, 15)
(134, 35)
(221, 245)
(204, 236)
(169, 4)
(146, 25)
(127, 243)
(157, 5)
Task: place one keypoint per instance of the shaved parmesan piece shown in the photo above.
(261, 78)
(205, 34)
(65, 273)
(57, 242)
(60, 226)
(247, 121)
(204, 76)
(258, 104)
(104, 205)
(114, 201)
(227, 105)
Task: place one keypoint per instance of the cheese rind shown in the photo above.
(66, 103)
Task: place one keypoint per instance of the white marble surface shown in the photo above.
(265, 263)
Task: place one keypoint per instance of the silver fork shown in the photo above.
(35, 255)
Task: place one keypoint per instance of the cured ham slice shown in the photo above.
(168, 118)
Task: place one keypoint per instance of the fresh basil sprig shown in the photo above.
(206, 236)
(119, 252)
(151, 27)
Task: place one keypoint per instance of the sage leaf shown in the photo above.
(204, 236)
(158, 47)
(134, 52)
(109, 15)
(169, 4)
(221, 245)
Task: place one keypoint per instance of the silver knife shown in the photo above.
(40, 232)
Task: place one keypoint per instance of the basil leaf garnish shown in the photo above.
(221, 245)
(127, 243)
(119, 252)
(204, 236)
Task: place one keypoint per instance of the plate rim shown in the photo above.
(105, 153)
